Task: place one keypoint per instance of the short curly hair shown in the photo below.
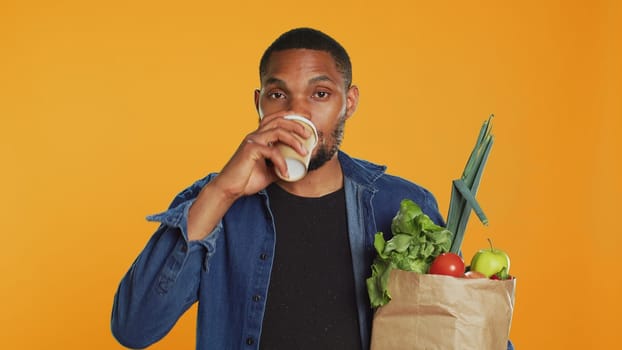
(312, 39)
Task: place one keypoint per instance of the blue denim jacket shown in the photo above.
(229, 271)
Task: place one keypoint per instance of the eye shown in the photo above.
(276, 95)
(321, 94)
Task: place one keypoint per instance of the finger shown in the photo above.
(278, 120)
(269, 144)
(272, 137)
(266, 153)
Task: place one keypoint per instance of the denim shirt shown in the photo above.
(228, 272)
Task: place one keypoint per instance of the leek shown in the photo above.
(464, 189)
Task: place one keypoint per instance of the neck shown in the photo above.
(327, 179)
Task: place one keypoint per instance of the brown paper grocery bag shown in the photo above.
(442, 312)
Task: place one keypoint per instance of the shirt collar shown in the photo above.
(360, 171)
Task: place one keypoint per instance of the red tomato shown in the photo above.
(449, 264)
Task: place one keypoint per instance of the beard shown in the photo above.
(328, 147)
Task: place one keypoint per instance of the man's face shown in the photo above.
(307, 83)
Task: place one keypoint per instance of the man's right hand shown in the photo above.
(247, 172)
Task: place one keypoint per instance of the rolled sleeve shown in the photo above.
(177, 217)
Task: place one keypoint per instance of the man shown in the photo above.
(273, 264)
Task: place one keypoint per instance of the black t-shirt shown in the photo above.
(311, 299)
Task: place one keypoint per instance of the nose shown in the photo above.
(299, 105)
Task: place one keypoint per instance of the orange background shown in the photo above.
(108, 109)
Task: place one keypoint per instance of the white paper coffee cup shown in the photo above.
(297, 165)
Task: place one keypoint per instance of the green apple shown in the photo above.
(490, 261)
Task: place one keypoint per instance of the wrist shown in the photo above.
(207, 210)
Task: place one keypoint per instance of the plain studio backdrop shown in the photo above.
(108, 109)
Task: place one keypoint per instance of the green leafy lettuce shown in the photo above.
(416, 241)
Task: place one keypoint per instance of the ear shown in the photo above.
(257, 92)
(352, 100)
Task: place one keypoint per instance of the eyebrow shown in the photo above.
(280, 83)
(320, 78)
(275, 81)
